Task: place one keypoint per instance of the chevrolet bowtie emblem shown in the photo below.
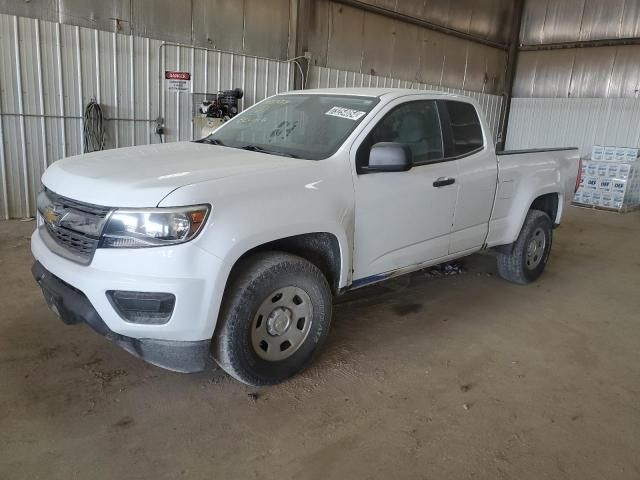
(51, 216)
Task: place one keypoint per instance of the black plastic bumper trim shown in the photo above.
(73, 307)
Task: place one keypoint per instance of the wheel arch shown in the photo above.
(549, 203)
(322, 249)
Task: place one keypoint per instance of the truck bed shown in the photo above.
(534, 150)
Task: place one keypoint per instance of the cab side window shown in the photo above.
(465, 130)
(415, 124)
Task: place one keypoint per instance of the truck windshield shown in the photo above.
(309, 126)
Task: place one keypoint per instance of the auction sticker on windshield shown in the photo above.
(346, 113)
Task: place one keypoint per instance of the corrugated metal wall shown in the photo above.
(607, 71)
(321, 77)
(579, 122)
(557, 21)
(352, 39)
(577, 96)
(252, 27)
(49, 71)
(481, 18)
(580, 72)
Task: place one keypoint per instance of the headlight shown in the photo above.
(153, 227)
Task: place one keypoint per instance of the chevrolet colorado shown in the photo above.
(234, 245)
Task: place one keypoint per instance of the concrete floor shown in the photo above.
(457, 377)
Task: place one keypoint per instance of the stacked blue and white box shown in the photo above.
(611, 179)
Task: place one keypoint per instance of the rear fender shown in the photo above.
(505, 229)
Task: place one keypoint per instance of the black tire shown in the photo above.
(514, 264)
(253, 282)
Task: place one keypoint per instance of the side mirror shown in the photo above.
(389, 157)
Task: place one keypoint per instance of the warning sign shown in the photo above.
(177, 81)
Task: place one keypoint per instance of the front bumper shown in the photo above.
(73, 307)
(194, 276)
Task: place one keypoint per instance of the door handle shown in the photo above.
(443, 182)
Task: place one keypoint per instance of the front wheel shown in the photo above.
(274, 318)
(527, 258)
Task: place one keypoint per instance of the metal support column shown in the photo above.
(510, 75)
(299, 17)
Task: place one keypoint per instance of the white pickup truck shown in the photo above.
(234, 245)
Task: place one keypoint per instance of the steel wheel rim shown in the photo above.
(281, 324)
(536, 248)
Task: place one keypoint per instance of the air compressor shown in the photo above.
(214, 110)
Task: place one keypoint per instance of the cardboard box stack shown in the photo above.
(610, 179)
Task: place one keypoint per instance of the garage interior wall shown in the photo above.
(255, 27)
(50, 71)
(345, 35)
(578, 75)
(57, 55)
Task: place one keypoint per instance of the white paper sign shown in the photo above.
(177, 81)
(346, 113)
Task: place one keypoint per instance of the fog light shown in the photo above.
(149, 308)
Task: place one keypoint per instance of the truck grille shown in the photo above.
(66, 241)
(67, 203)
(77, 243)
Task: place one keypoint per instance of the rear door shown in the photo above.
(470, 144)
(404, 219)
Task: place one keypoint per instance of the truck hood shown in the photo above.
(143, 176)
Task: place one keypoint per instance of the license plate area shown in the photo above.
(54, 302)
(56, 305)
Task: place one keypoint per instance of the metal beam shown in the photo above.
(612, 42)
(510, 75)
(421, 23)
(299, 25)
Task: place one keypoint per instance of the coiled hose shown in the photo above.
(93, 124)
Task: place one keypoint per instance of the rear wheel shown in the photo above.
(275, 316)
(528, 256)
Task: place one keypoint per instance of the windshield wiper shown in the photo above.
(257, 148)
(210, 141)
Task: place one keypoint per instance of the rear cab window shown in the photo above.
(462, 129)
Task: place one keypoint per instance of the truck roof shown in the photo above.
(373, 92)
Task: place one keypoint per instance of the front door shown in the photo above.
(404, 219)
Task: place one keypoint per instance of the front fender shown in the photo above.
(252, 240)
(250, 210)
(254, 209)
